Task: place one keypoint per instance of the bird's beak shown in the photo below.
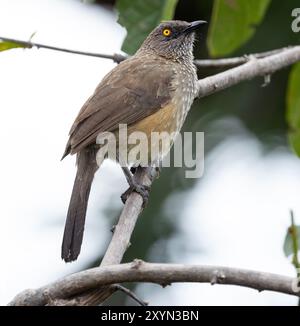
(194, 26)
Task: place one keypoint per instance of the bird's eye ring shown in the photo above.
(167, 32)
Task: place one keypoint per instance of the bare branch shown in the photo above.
(124, 229)
(28, 44)
(162, 274)
(250, 70)
(233, 62)
(132, 295)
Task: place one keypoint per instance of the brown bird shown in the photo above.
(151, 91)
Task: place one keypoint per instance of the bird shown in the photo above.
(151, 91)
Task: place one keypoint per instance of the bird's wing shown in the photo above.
(129, 93)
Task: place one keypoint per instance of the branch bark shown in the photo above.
(28, 44)
(163, 274)
(236, 61)
(250, 70)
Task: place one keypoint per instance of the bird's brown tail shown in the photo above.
(73, 234)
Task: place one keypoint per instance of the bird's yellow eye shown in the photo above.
(167, 32)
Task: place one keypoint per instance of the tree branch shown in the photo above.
(163, 274)
(250, 70)
(28, 44)
(233, 62)
(133, 296)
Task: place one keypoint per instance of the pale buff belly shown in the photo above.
(158, 132)
(164, 120)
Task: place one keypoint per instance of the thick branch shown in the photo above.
(250, 70)
(124, 229)
(163, 274)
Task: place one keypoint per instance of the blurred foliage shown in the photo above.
(9, 45)
(291, 244)
(289, 241)
(238, 19)
(293, 108)
(139, 17)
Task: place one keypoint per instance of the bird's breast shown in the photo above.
(184, 85)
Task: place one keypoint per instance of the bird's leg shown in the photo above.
(158, 169)
(141, 189)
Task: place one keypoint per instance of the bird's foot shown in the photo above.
(133, 170)
(142, 190)
(158, 170)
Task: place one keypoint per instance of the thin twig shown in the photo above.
(28, 44)
(132, 295)
(139, 271)
(233, 62)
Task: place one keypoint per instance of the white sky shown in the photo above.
(41, 93)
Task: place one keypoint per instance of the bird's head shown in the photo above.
(172, 39)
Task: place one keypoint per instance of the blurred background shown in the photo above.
(236, 215)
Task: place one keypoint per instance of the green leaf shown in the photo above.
(9, 45)
(294, 140)
(169, 9)
(293, 108)
(233, 23)
(140, 17)
(288, 247)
